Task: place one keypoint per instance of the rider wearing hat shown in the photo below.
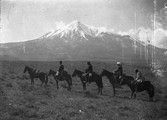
(61, 68)
(139, 78)
(89, 70)
(119, 71)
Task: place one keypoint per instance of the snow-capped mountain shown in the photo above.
(74, 30)
(77, 41)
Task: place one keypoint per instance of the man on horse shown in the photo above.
(89, 71)
(61, 70)
(119, 71)
(139, 78)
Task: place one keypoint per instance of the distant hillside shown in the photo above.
(77, 41)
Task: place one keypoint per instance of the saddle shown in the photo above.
(136, 82)
(61, 75)
(36, 71)
(84, 74)
(87, 77)
(57, 73)
(139, 80)
(89, 74)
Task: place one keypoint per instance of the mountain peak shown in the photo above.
(74, 25)
(77, 22)
(74, 30)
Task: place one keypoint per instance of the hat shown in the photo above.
(118, 63)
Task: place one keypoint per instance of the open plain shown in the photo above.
(21, 101)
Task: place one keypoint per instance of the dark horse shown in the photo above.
(97, 79)
(80, 75)
(34, 74)
(58, 78)
(111, 78)
(145, 85)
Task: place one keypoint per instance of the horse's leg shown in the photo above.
(101, 91)
(151, 92)
(68, 82)
(57, 83)
(150, 95)
(42, 83)
(84, 85)
(151, 99)
(46, 80)
(113, 86)
(32, 81)
(42, 80)
(132, 94)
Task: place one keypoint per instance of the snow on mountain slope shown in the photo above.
(74, 30)
(77, 41)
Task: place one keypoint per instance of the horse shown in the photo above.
(36, 74)
(58, 78)
(143, 86)
(97, 79)
(111, 77)
(82, 78)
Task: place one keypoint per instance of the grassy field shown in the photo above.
(21, 101)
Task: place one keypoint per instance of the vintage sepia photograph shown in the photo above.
(83, 60)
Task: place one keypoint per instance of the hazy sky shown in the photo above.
(28, 19)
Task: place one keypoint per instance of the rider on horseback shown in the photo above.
(139, 78)
(89, 71)
(119, 71)
(61, 70)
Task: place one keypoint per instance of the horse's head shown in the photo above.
(25, 69)
(74, 73)
(51, 72)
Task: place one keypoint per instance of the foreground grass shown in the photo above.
(21, 101)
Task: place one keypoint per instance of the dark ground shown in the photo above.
(21, 101)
